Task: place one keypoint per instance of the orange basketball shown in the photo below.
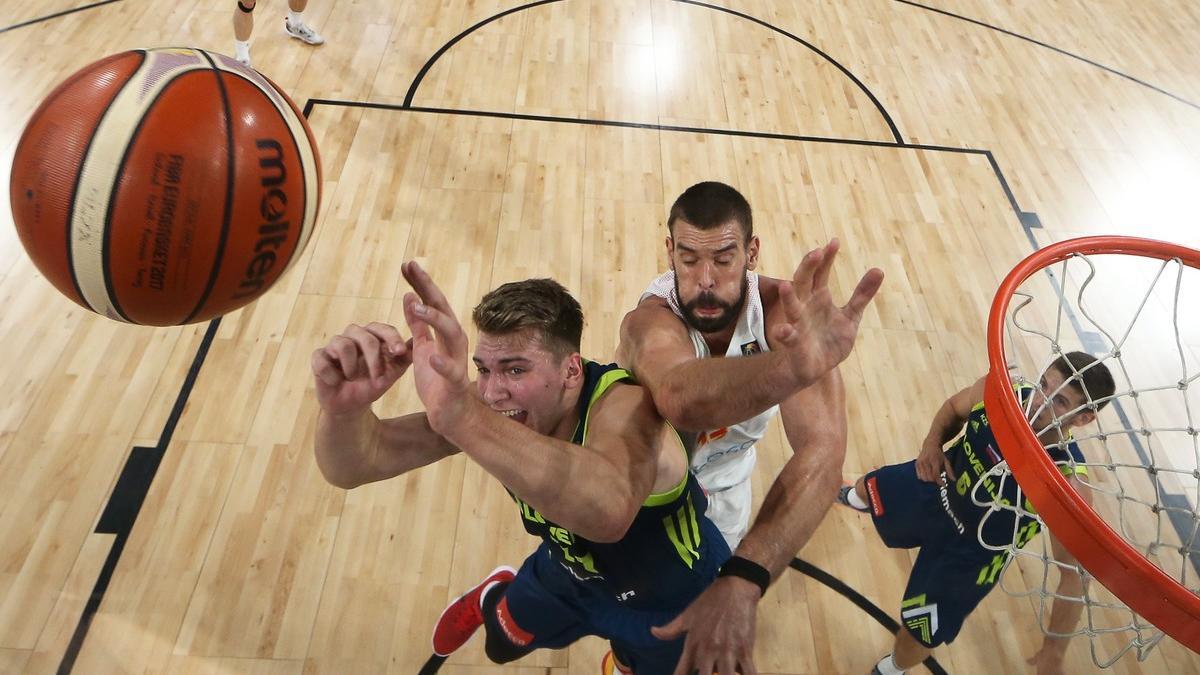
(165, 186)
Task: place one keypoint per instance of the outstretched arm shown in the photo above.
(352, 445)
(811, 336)
(720, 624)
(594, 490)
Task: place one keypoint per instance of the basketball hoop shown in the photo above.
(1139, 539)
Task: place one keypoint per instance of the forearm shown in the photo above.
(703, 394)
(1066, 609)
(945, 426)
(360, 448)
(790, 513)
(569, 484)
(345, 445)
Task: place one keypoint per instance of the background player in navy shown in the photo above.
(927, 503)
(594, 469)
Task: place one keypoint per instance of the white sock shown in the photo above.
(294, 18)
(855, 500)
(887, 666)
(242, 49)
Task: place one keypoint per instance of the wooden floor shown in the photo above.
(550, 142)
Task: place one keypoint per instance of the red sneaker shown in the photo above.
(463, 617)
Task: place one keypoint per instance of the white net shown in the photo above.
(1140, 455)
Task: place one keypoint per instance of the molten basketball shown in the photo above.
(165, 186)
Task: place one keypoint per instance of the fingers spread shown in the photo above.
(867, 287)
(416, 322)
(423, 284)
(821, 275)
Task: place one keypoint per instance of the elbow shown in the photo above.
(337, 476)
(343, 482)
(613, 526)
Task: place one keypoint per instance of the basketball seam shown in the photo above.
(219, 255)
(301, 240)
(106, 247)
(70, 216)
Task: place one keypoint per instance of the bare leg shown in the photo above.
(907, 652)
(243, 22)
(297, 5)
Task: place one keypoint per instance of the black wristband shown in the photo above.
(244, 8)
(748, 570)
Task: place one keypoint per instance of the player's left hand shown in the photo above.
(720, 629)
(1048, 660)
(439, 351)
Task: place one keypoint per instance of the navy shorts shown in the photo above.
(551, 610)
(952, 573)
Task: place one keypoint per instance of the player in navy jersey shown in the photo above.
(926, 503)
(594, 470)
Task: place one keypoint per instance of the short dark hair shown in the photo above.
(709, 205)
(539, 304)
(1094, 381)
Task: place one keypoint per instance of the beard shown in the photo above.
(708, 300)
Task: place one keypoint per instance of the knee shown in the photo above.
(246, 6)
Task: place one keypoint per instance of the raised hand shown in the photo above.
(358, 365)
(818, 335)
(439, 350)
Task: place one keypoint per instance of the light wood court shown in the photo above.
(551, 142)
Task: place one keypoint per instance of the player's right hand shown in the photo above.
(357, 366)
(932, 462)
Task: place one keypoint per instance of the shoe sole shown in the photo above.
(489, 575)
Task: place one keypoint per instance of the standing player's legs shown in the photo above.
(295, 26)
(243, 26)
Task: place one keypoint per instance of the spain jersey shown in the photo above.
(725, 457)
(669, 547)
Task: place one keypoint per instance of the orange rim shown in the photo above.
(1138, 583)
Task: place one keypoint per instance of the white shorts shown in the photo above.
(729, 510)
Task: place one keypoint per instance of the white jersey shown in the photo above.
(724, 458)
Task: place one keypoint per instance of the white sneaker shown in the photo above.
(244, 62)
(303, 31)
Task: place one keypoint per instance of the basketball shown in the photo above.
(165, 186)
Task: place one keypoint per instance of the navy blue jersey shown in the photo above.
(665, 551)
(971, 456)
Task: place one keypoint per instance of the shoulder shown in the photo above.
(768, 295)
(624, 409)
(651, 321)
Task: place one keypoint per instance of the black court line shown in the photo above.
(845, 590)
(127, 497)
(412, 88)
(55, 15)
(878, 106)
(420, 76)
(1059, 50)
